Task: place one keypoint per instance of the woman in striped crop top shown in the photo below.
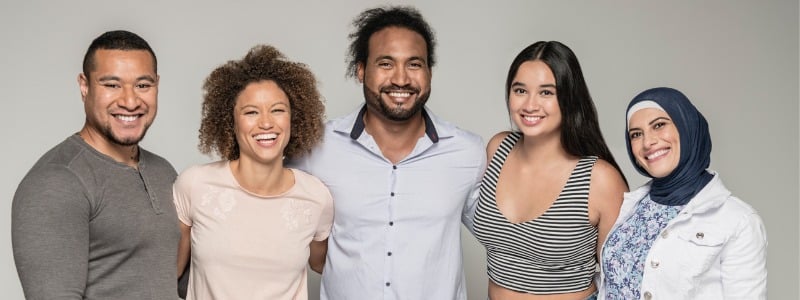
(552, 189)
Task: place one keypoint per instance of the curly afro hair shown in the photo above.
(376, 19)
(262, 62)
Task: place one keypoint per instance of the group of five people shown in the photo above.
(374, 200)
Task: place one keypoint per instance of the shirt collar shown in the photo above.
(358, 125)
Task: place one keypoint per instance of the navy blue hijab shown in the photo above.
(690, 175)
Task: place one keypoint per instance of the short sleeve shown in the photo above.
(181, 193)
(325, 217)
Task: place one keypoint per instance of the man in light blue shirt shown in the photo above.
(402, 179)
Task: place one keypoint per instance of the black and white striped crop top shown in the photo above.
(552, 254)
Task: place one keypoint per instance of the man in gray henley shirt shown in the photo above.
(94, 217)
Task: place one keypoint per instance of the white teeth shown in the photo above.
(399, 94)
(532, 118)
(127, 118)
(658, 153)
(266, 136)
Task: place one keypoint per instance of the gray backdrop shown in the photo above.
(736, 60)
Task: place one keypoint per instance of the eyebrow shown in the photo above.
(517, 83)
(116, 78)
(659, 118)
(650, 123)
(389, 57)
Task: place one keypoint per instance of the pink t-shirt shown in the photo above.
(246, 246)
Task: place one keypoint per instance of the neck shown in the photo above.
(128, 155)
(543, 150)
(396, 139)
(262, 179)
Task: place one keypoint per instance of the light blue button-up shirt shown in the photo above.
(396, 231)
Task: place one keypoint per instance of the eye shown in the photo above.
(278, 110)
(634, 135)
(659, 125)
(250, 112)
(415, 65)
(519, 91)
(384, 65)
(547, 93)
(143, 86)
(111, 85)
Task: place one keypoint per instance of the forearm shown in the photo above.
(184, 247)
(316, 258)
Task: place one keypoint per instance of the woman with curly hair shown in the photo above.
(248, 223)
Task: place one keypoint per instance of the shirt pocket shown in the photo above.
(700, 248)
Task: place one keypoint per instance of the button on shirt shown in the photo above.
(396, 231)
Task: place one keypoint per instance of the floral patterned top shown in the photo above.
(627, 246)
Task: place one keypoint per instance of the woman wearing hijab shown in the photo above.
(682, 235)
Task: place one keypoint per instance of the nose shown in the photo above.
(265, 121)
(129, 100)
(531, 104)
(400, 76)
(649, 140)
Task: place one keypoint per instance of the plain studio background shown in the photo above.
(736, 60)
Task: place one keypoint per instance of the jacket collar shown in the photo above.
(710, 197)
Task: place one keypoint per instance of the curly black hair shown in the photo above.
(376, 19)
(262, 62)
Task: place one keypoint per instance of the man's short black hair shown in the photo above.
(116, 40)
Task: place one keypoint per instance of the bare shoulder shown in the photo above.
(607, 180)
(494, 142)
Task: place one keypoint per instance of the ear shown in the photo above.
(83, 84)
(360, 72)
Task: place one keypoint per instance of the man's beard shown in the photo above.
(397, 114)
(131, 141)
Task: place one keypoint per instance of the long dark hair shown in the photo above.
(580, 129)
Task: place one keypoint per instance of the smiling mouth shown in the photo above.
(532, 118)
(127, 118)
(399, 94)
(266, 137)
(657, 154)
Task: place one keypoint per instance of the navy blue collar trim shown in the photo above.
(358, 127)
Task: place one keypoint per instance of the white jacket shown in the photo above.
(716, 248)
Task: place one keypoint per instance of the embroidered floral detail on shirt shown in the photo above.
(223, 199)
(295, 213)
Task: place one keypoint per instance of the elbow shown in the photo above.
(317, 267)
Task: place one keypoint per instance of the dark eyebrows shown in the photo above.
(659, 118)
(417, 58)
(548, 85)
(413, 58)
(382, 57)
(146, 78)
(116, 78)
(520, 84)
(651, 123)
(108, 78)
